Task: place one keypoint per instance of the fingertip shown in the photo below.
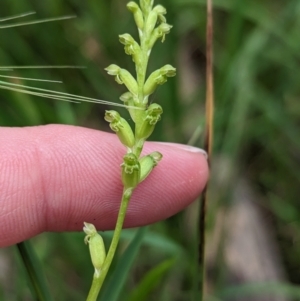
(56, 177)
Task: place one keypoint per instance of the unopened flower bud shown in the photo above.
(151, 22)
(146, 6)
(137, 14)
(122, 76)
(96, 246)
(130, 171)
(151, 116)
(148, 163)
(158, 77)
(121, 127)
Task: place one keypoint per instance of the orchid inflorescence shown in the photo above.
(152, 26)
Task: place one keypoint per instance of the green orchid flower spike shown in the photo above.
(152, 26)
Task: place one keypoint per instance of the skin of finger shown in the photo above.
(55, 177)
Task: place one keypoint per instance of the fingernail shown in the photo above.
(186, 147)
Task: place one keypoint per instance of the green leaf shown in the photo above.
(260, 289)
(151, 280)
(151, 239)
(121, 271)
(35, 271)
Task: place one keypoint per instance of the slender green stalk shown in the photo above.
(152, 26)
(208, 144)
(99, 279)
(34, 270)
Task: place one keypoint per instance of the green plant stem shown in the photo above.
(99, 279)
(35, 271)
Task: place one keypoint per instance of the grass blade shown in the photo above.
(119, 276)
(151, 280)
(34, 270)
(208, 144)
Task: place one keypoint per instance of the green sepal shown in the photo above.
(130, 171)
(96, 246)
(151, 116)
(158, 77)
(148, 163)
(122, 76)
(121, 127)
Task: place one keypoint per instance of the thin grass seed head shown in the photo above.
(45, 93)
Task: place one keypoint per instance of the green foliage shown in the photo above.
(121, 271)
(257, 93)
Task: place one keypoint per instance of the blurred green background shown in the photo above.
(256, 153)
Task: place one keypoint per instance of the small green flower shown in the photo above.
(114, 70)
(159, 32)
(122, 76)
(161, 11)
(121, 127)
(151, 116)
(96, 246)
(130, 171)
(148, 163)
(127, 98)
(131, 46)
(137, 14)
(158, 77)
